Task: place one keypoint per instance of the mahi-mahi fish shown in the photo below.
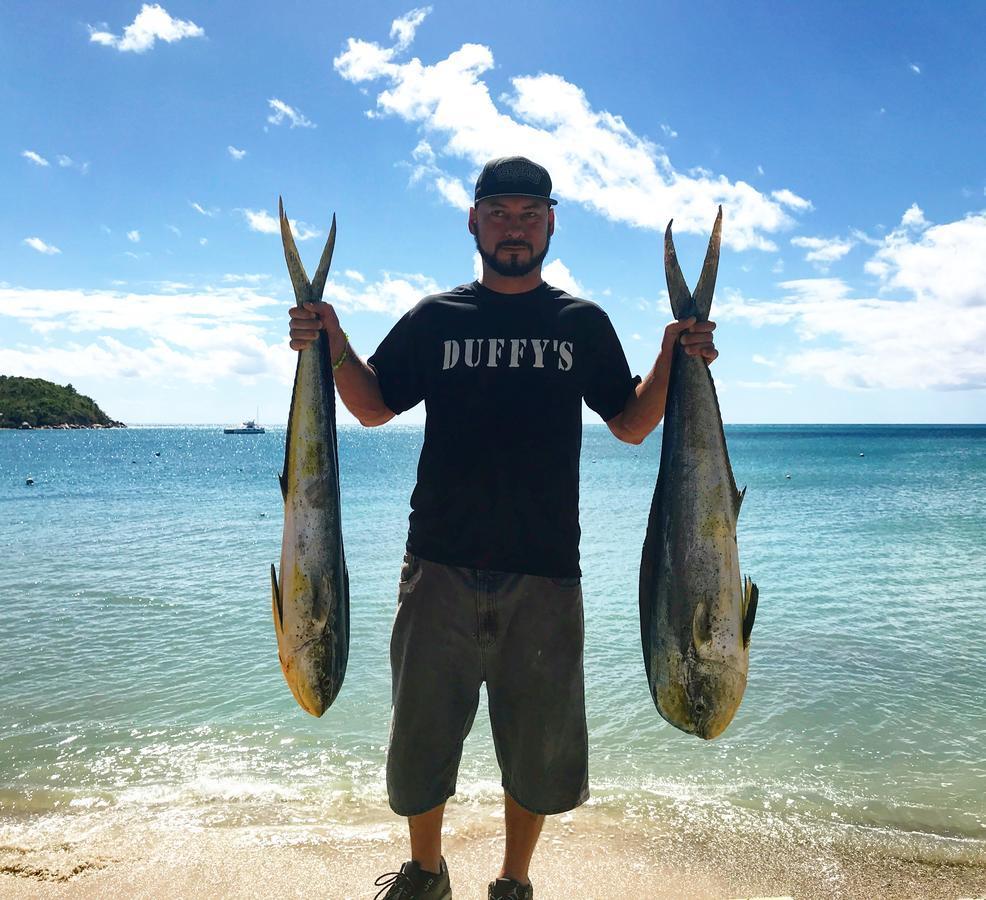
(696, 610)
(311, 602)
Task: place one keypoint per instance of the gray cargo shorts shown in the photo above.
(522, 634)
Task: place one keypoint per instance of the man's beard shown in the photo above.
(514, 268)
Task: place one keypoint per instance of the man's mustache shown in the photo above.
(515, 245)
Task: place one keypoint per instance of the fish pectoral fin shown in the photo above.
(751, 594)
(276, 601)
(739, 500)
(701, 632)
(322, 608)
(283, 482)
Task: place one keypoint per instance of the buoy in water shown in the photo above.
(787, 476)
(29, 481)
(862, 454)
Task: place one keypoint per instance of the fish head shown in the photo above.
(714, 692)
(703, 700)
(307, 677)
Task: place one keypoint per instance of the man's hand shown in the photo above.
(308, 320)
(695, 337)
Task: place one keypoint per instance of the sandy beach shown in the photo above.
(589, 856)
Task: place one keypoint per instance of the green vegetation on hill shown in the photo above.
(39, 403)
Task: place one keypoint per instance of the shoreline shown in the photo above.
(589, 853)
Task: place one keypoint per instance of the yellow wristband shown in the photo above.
(342, 356)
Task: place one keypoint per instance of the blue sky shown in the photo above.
(145, 146)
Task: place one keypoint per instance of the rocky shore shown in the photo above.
(64, 426)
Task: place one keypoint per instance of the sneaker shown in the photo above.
(414, 883)
(508, 889)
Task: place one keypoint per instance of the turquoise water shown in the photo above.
(139, 678)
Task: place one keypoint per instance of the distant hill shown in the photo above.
(43, 404)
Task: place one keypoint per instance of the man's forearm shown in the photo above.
(357, 384)
(645, 407)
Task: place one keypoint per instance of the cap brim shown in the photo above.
(548, 200)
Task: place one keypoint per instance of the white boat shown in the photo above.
(247, 427)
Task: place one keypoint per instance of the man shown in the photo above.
(490, 588)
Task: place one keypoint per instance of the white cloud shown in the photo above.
(66, 162)
(763, 361)
(134, 236)
(201, 209)
(174, 229)
(36, 158)
(282, 111)
(152, 23)
(37, 244)
(394, 294)
(595, 158)
(914, 217)
(934, 262)
(403, 29)
(236, 153)
(766, 385)
(668, 131)
(928, 335)
(195, 336)
(789, 198)
(425, 168)
(203, 241)
(262, 221)
(556, 273)
(915, 68)
(245, 278)
(822, 251)
(353, 275)
(759, 170)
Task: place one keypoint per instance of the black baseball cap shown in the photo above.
(514, 176)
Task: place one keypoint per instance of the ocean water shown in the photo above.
(139, 681)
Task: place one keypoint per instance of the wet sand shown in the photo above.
(587, 857)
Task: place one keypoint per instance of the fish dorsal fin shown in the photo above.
(322, 272)
(296, 269)
(739, 500)
(750, 596)
(707, 280)
(276, 597)
(681, 298)
(283, 482)
(701, 632)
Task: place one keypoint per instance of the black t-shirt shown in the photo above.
(502, 377)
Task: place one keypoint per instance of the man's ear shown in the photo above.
(551, 222)
(472, 221)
